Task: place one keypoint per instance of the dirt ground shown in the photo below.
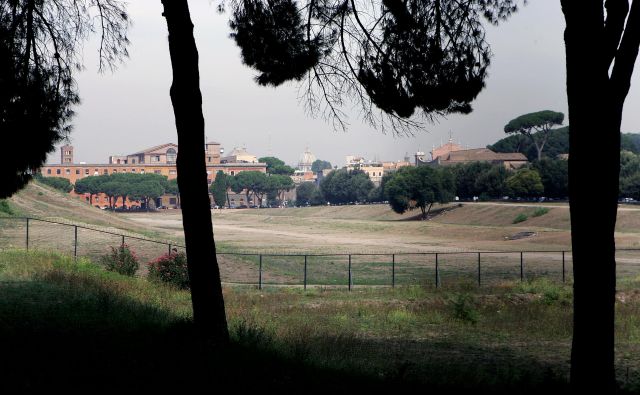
(376, 229)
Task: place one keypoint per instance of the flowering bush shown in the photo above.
(121, 260)
(170, 268)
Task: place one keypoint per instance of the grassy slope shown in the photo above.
(41, 201)
(67, 325)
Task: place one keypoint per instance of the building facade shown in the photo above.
(160, 159)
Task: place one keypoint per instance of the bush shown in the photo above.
(59, 183)
(540, 211)
(520, 218)
(121, 260)
(5, 207)
(464, 309)
(171, 269)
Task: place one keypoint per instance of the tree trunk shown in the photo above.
(595, 128)
(204, 275)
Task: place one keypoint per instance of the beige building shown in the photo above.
(239, 155)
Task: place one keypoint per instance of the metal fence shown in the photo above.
(435, 269)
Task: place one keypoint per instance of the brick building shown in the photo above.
(160, 159)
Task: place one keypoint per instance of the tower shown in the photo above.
(66, 154)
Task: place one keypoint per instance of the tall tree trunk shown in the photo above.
(594, 128)
(204, 275)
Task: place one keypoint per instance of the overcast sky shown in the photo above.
(130, 109)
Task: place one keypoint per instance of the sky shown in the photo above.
(130, 109)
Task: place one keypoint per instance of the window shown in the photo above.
(208, 159)
(105, 171)
(133, 161)
(118, 161)
(233, 173)
(133, 170)
(157, 158)
(124, 170)
(57, 171)
(172, 172)
(86, 172)
(48, 171)
(115, 171)
(141, 171)
(172, 200)
(379, 174)
(77, 171)
(171, 155)
(156, 172)
(67, 171)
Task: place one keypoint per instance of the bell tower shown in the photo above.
(66, 154)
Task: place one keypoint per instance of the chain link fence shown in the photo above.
(439, 269)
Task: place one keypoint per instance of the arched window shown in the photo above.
(171, 155)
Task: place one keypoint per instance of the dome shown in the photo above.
(306, 160)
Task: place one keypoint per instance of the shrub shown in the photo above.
(121, 260)
(520, 218)
(540, 211)
(5, 207)
(464, 308)
(171, 269)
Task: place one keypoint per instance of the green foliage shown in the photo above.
(466, 176)
(551, 292)
(493, 182)
(121, 260)
(344, 186)
(464, 309)
(419, 187)
(5, 207)
(135, 186)
(630, 142)
(59, 183)
(319, 165)
(304, 193)
(540, 211)
(535, 120)
(276, 166)
(170, 269)
(554, 174)
(219, 188)
(557, 143)
(520, 218)
(525, 183)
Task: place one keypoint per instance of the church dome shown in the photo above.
(306, 160)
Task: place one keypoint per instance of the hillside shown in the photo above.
(40, 201)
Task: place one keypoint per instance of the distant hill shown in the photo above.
(558, 143)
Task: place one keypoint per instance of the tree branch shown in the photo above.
(626, 56)
(617, 11)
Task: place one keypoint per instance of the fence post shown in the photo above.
(27, 237)
(75, 241)
(350, 272)
(305, 273)
(437, 272)
(123, 241)
(521, 266)
(169, 249)
(563, 279)
(260, 273)
(479, 275)
(393, 270)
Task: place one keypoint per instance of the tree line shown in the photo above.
(254, 185)
(476, 180)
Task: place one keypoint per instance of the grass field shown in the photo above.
(71, 324)
(361, 229)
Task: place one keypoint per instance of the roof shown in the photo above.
(212, 143)
(152, 149)
(482, 154)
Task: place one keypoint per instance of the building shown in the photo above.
(510, 160)
(239, 155)
(160, 159)
(306, 161)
